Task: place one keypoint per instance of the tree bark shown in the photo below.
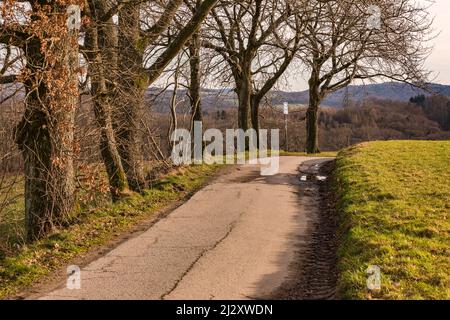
(45, 136)
(255, 115)
(100, 44)
(195, 79)
(312, 128)
(108, 147)
(244, 92)
(132, 84)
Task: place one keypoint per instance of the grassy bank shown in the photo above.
(326, 154)
(395, 200)
(94, 228)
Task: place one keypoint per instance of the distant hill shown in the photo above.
(394, 91)
(226, 99)
(211, 99)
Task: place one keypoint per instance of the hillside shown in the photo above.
(394, 200)
(226, 99)
(367, 121)
(222, 99)
(385, 91)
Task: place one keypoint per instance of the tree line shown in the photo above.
(121, 48)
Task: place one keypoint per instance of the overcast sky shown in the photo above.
(438, 62)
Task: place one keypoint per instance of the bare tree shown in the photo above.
(348, 40)
(195, 73)
(135, 78)
(258, 40)
(100, 50)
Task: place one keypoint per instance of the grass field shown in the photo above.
(23, 264)
(395, 203)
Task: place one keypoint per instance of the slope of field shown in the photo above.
(395, 200)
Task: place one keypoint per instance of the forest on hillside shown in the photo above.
(359, 121)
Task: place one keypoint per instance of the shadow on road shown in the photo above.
(313, 273)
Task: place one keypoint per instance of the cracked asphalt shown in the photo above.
(238, 238)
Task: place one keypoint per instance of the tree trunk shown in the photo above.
(195, 79)
(312, 128)
(49, 173)
(100, 43)
(132, 84)
(45, 135)
(173, 126)
(255, 113)
(244, 91)
(108, 147)
(255, 116)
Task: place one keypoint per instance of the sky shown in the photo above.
(439, 60)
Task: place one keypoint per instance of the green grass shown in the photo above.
(95, 227)
(11, 212)
(395, 200)
(326, 154)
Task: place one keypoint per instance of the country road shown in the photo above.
(242, 237)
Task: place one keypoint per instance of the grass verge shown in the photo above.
(327, 154)
(94, 228)
(395, 199)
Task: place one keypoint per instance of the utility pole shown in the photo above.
(286, 113)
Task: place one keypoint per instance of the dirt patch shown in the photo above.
(314, 272)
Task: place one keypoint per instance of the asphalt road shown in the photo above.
(236, 239)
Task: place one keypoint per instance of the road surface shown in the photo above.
(238, 238)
